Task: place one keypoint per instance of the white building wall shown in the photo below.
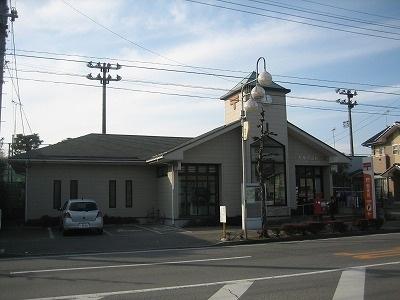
(224, 150)
(164, 195)
(93, 183)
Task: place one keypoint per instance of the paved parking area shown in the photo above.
(33, 241)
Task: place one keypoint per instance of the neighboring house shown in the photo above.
(183, 179)
(385, 146)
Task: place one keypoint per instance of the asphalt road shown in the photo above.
(364, 267)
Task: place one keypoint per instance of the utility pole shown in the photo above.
(104, 80)
(4, 15)
(350, 105)
(333, 133)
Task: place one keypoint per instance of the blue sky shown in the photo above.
(198, 35)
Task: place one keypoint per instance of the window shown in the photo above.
(198, 190)
(309, 185)
(112, 194)
(73, 189)
(273, 168)
(57, 194)
(396, 149)
(83, 206)
(379, 151)
(128, 193)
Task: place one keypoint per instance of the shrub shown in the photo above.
(375, 223)
(315, 227)
(298, 228)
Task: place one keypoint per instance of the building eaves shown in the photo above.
(196, 139)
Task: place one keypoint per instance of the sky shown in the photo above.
(55, 38)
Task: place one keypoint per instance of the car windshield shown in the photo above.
(82, 206)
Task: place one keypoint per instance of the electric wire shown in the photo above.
(321, 13)
(146, 82)
(128, 40)
(347, 9)
(293, 21)
(307, 18)
(208, 74)
(214, 69)
(194, 96)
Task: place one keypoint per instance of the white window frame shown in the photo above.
(396, 149)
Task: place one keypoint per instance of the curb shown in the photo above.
(300, 238)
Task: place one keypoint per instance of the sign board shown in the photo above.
(369, 189)
(245, 130)
(222, 214)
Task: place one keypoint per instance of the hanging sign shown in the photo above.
(369, 189)
(245, 130)
(222, 214)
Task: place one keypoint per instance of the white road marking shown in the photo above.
(168, 288)
(51, 235)
(128, 230)
(129, 265)
(208, 247)
(148, 229)
(231, 291)
(351, 285)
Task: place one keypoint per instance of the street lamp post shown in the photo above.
(257, 95)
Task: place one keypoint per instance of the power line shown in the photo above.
(307, 18)
(202, 87)
(194, 96)
(347, 9)
(200, 67)
(293, 21)
(126, 39)
(321, 13)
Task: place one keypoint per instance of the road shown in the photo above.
(364, 267)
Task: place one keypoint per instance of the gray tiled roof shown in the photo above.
(105, 147)
(251, 77)
(375, 139)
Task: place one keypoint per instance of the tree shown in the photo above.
(24, 143)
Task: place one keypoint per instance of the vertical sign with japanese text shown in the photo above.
(369, 189)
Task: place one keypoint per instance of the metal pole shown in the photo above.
(104, 98)
(243, 200)
(3, 35)
(350, 106)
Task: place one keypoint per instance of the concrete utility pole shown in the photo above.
(104, 80)
(4, 15)
(350, 105)
(334, 141)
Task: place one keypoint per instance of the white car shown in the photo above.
(77, 214)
